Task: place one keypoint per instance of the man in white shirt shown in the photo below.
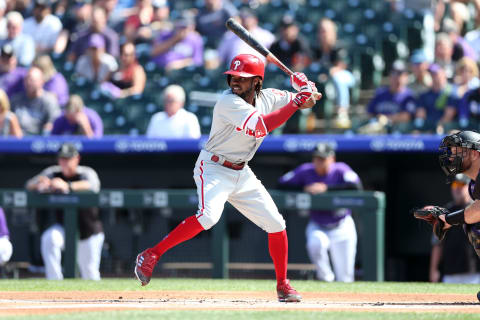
(174, 122)
(43, 26)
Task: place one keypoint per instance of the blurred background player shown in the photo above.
(328, 232)
(66, 177)
(6, 248)
(453, 259)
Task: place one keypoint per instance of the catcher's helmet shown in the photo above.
(453, 150)
(246, 65)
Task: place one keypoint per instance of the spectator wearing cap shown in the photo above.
(437, 107)
(328, 232)
(466, 76)
(77, 119)
(444, 54)
(161, 18)
(11, 75)
(179, 48)
(421, 80)
(96, 65)
(54, 81)
(35, 108)
(75, 22)
(70, 177)
(393, 106)
(291, 48)
(98, 26)
(9, 125)
(211, 20)
(43, 26)
(230, 45)
(22, 44)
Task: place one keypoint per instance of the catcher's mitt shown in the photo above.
(431, 215)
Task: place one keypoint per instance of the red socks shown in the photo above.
(278, 247)
(186, 230)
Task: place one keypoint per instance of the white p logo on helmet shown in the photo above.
(237, 63)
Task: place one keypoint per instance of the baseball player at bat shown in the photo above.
(242, 118)
(460, 153)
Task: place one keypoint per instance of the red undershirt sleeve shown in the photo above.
(276, 118)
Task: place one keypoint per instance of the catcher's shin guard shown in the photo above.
(473, 233)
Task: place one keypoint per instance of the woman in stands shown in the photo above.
(466, 76)
(130, 78)
(9, 125)
(55, 82)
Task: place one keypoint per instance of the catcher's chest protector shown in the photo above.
(473, 230)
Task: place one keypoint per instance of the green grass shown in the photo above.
(247, 315)
(162, 284)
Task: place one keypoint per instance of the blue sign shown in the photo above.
(283, 143)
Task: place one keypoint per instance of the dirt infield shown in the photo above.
(29, 303)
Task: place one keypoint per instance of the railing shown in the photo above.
(369, 206)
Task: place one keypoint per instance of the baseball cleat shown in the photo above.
(286, 293)
(144, 265)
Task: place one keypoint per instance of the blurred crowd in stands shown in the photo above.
(94, 67)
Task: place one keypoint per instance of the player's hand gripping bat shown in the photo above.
(243, 34)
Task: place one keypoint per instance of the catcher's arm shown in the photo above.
(440, 218)
(469, 215)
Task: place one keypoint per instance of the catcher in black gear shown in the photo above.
(459, 153)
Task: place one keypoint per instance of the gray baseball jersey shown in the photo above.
(234, 120)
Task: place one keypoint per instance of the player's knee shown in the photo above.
(276, 225)
(207, 220)
(52, 238)
(6, 250)
(317, 240)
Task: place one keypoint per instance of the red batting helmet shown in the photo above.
(246, 65)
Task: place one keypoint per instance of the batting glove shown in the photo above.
(300, 82)
(301, 98)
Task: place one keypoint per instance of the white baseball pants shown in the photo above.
(6, 250)
(88, 253)
(341, 242)
(217, 184)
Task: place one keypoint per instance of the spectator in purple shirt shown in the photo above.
(438, 106)
(11, 76)
(54, 81)
(328, 231)
(392, 106)
(179, 48)
(77, 119)
(98, 26)
(5, 244)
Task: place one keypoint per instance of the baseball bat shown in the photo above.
(243, 34)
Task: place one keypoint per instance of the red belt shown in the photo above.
(228, 164)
